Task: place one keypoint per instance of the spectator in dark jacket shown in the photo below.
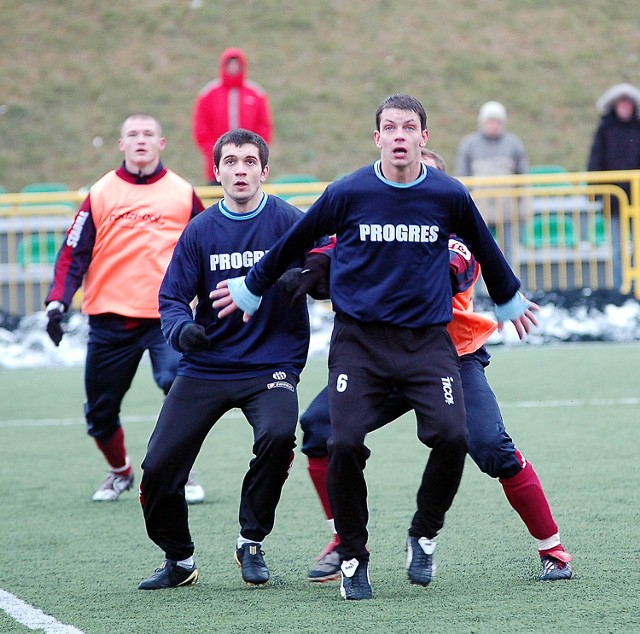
(616, 146)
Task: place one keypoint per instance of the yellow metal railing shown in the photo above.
(555, 230)
(33, 226)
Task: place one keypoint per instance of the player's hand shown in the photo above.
(312, 278)
(290, 282)
(525, 322)
(193, 338)
(55, 313)
(223, 302)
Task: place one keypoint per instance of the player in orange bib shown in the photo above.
(118, 249)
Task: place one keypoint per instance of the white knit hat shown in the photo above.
(492, 110)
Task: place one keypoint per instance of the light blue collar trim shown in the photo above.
(377, 166)
(232, 215)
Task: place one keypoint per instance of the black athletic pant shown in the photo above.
(190, 410)
(114, 351)
(366, 361)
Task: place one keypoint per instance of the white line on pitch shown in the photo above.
(61, 422)
(33, 618)
(597, 402)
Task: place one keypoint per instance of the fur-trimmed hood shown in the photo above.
(606, 102)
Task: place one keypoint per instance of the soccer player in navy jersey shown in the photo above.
(225, 365)
(391, 293)
(489, 444)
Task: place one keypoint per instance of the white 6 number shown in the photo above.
(341, 383)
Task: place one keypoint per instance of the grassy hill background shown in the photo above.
(72, 70)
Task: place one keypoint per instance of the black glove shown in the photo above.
(312, 278)
(192, 338)
(54, 325)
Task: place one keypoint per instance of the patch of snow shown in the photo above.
(571, 316)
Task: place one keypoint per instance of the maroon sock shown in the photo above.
(115, 453)
(557, 552)
(318, 473)
(526, 495)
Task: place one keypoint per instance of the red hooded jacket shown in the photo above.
(227, 103)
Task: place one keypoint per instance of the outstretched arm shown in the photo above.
(245, 293)
(312, 278)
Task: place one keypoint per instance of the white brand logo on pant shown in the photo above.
(341, 383)
(447, 389)
(284, 384)
(279, 376)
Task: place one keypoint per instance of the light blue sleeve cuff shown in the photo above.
(245, 300)
(513, 309)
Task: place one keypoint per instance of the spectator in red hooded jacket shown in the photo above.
(231, 101)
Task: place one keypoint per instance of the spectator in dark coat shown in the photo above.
(616, 146)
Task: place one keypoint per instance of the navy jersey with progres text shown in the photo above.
(216, 245)
(391, 261)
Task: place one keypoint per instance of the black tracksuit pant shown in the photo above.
(367, 361)
(192, 407)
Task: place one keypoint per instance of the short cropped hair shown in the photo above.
(402, 102)
(239, 137)
(144, 116)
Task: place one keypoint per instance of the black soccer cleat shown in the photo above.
(170, 575)
(354, 583)
(421, 566)
(250, 558)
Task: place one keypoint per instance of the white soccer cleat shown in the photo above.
(112, 487)
(193, 492)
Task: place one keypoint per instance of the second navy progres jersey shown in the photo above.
(216, 245)
(391, 261)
